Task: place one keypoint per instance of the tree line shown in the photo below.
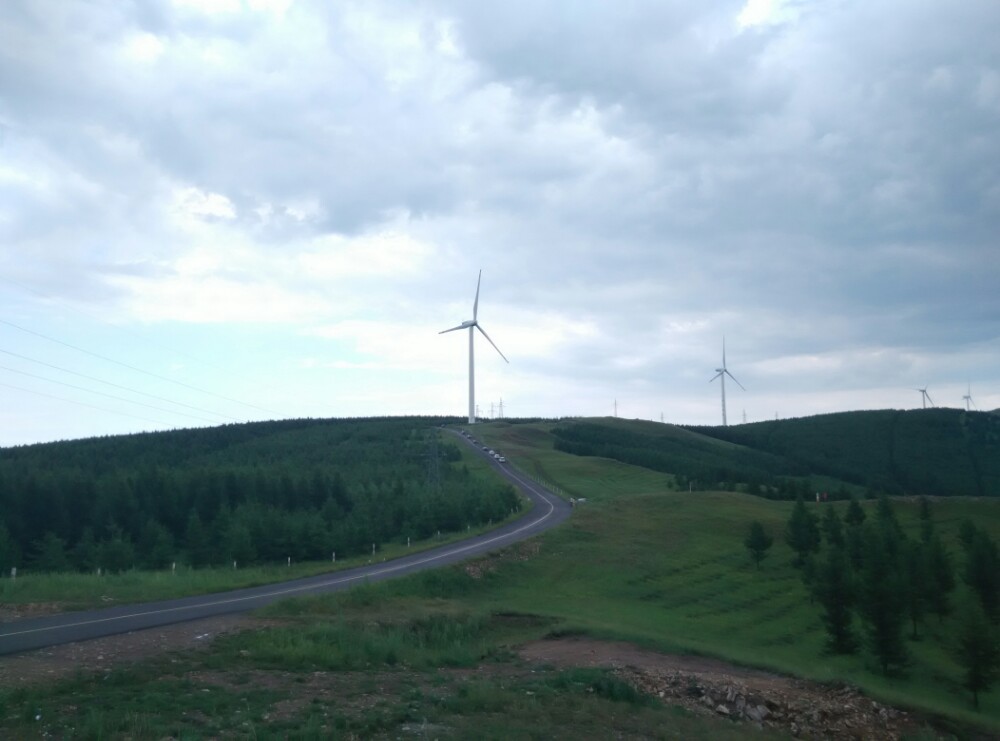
(255, 493)
(874, 574)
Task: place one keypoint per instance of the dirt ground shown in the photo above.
(702, 685)
(104, 653)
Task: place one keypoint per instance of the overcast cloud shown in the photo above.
(271, 207)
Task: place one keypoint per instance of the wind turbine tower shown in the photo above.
(968, 399)
(721, 374)
(472, 325)
(925, 398)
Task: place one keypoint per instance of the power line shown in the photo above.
(133, 368)
(116, 385)
(101, 393)
(84, 404)
(75, 307)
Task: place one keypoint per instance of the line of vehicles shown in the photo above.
(496, 455)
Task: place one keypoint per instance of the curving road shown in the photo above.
(25, 635)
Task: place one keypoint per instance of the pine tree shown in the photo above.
(802, 532)
(9, 552)
(853, 537)
(916, 574)
(196, 541)
(834, 588)
(855, 514)
(882, 602)
(758, 542)
(926, 522)
(50, 554)
(85, 552)
(977, 650)
(982, 572)
(833, 530)
(941, 577)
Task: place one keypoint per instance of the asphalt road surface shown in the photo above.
(51, 630)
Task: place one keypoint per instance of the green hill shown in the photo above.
(254, 493)
(940, 452)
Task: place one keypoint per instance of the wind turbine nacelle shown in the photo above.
(468, 323)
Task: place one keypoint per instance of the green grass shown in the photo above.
(668, 569)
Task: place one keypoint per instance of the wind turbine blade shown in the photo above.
(475, 305)
(724, 352)
(715, 376)
(734, 379)
(929, 398)
(492, 342)
(443, 331)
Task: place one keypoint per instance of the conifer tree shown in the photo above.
(802, 532)
(982, 572)
(882, 601)
(941, 577)
(855, 514)
(834, 589)
(9, 552)
(833, 530)
(977, 650)
(926, 522)
(50, 554)
(916, 574)
(758, 542)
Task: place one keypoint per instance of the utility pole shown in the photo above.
(492, 411)
(661, 418)
(501, 407)
(616, 407)
(744, 416)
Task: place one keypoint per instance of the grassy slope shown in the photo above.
(669, 569)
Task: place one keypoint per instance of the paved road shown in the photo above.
(25, 635)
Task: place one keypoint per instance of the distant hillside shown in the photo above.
(937, 452)
(255, 493)
(924, 451)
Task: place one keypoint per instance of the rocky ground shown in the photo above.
(803, 709)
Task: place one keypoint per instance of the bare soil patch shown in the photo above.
(709, 686)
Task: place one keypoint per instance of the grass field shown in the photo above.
(638, 561)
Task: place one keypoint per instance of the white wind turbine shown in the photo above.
(925, 398)
(968, 399)
(721, 374)
(471, 325)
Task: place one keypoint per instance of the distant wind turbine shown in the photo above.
(968, 399)
(925, 398)
(721, 374)
(471, 325)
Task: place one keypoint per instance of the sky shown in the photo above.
(216, 211)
